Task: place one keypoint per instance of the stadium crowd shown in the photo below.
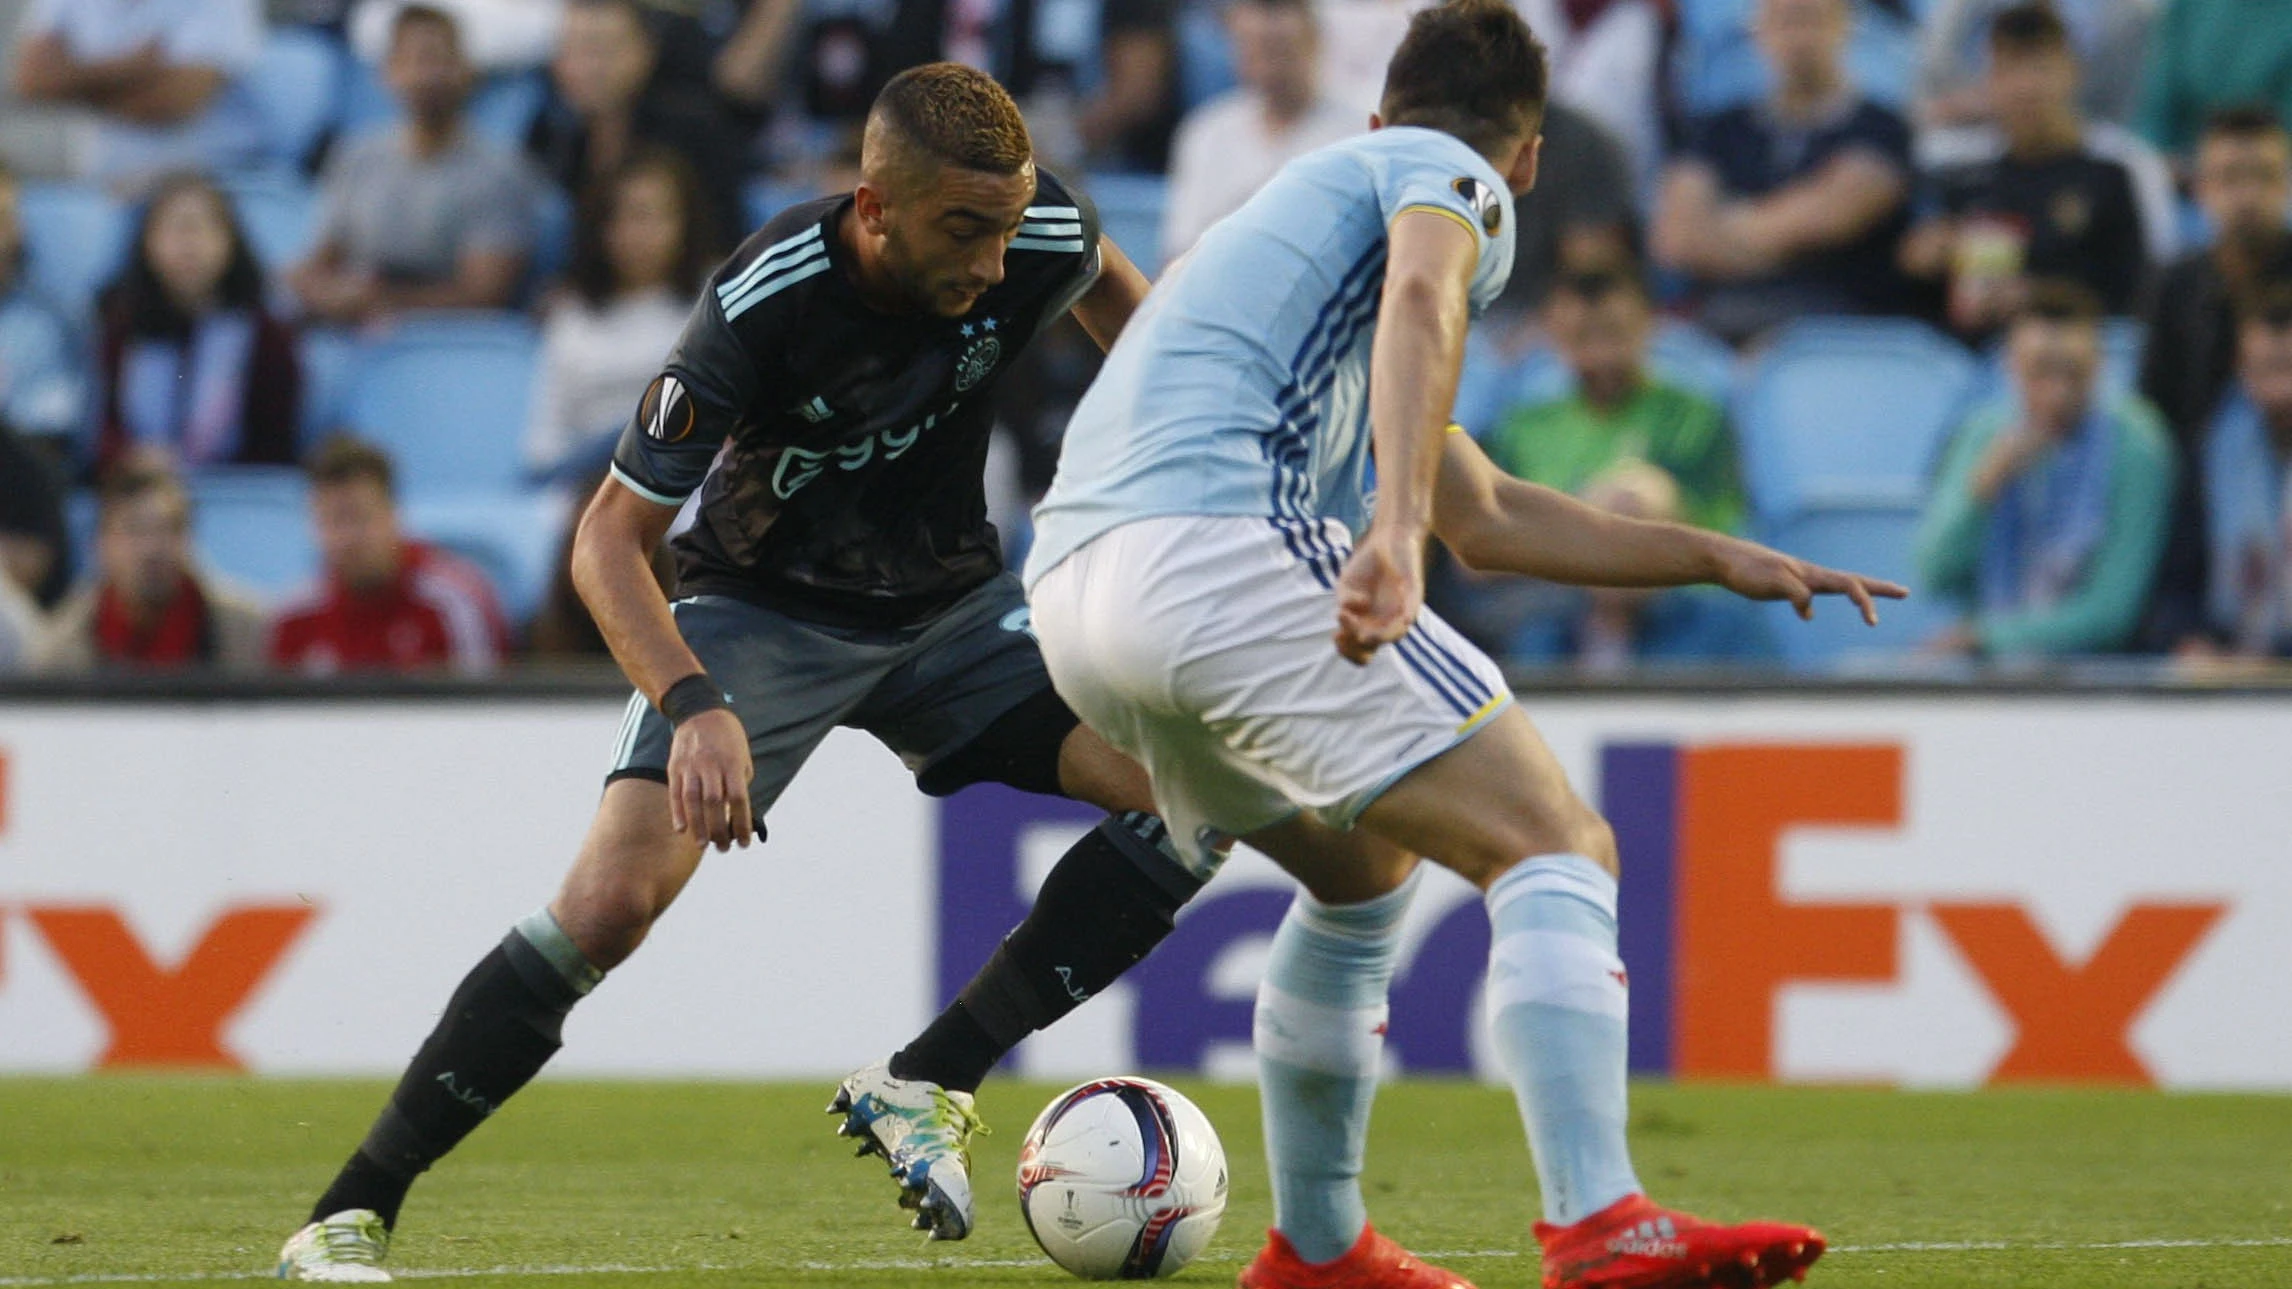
(316, 323)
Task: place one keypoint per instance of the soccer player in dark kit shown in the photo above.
(831, 401)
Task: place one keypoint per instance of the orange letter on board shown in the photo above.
(162, 1017)
(2072, 1022)
(1738, 940)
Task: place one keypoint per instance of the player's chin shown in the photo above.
(954, 302)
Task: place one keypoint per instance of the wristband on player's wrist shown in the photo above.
(690, 697)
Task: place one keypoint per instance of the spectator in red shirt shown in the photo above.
(387, 603)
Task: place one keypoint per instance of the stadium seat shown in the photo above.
(511, 536)
(76, 238)
(297, 85)
(1680, 352)
(1848, 411)
(764, 198)
(1205, 55)
(1874, 538)
(329, 356)
(1715, 64)
(280, 214)
(251, 524)
(447, 395)
(1130, 212)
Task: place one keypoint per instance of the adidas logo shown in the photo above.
(1655, 1238)
(816, 411)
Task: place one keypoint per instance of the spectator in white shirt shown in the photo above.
(1228, 147)
(642, 245)
(160, 75)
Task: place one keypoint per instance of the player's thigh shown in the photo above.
(1489, 802)
(1335, 867)
(970, 701)
(631, 867)
(790, 683)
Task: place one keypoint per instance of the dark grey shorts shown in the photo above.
(928, 692)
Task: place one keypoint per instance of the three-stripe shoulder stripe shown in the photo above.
(782, 264)
(1051, 228)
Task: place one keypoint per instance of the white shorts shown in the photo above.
(1204, 647)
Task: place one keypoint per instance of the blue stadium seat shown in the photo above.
(297, 85)
(1680, 352)
(76, 238)
(447, 395)
(1848, 411)
(511, 536)
(1715, 64)
(1876, 539)
(1484, 387)
(251, 524)
(1205, 55)
(280, 214)
(329, 356)
(764, 198)
(1130, 212)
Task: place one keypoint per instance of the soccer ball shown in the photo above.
(1122, 1179)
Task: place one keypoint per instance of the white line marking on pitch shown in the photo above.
(957, 1264)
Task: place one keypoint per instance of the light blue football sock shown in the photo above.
(1320, 1036)
(1557, 1001)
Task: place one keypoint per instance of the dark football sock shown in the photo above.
(501, 1026)
(1110, 899)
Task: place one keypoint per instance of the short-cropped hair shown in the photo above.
(1470, 68)
(954, 114)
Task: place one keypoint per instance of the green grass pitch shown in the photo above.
(641, 1185)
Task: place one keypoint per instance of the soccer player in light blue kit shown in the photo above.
(1212, 526)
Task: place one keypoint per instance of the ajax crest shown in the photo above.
(984, 351)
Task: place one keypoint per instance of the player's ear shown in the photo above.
(1520, 176)
(1376, 122)
(867, 203)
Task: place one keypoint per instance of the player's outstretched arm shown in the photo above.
(1413, 365)
(709, 764)
(1105, 308)
(1496, 523)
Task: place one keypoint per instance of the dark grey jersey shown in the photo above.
(847, 444)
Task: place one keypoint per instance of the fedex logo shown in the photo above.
(1708, 935)
(157, 1014)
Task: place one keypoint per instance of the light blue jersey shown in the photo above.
(1241, 385)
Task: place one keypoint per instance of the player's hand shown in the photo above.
(1757, 573)
(708, 771)
(1379, 593)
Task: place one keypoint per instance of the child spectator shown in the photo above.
(1795, 205)
(425, 215)
(161, 76)
(149, 607)
(386, 602)
(641, 248)
(2051, 508)
(193, 365)
(1619, 411)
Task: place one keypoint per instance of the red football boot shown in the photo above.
(1632, 1244)
(1373, 1262)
